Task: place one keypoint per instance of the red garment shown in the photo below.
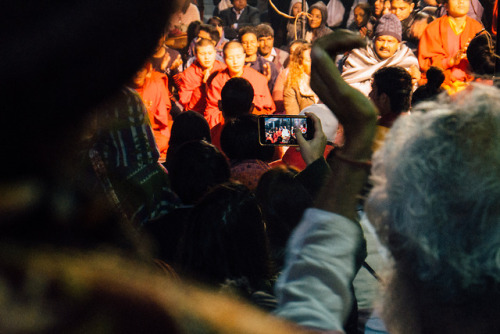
(155, 96)
(192, 89)
(439, 44)
(495, 18)
(262, 100)
(248, 172)
(215, 133)
(292, 157)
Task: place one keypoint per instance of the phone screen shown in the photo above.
(279, 130)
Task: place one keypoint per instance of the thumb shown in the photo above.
(300, 138)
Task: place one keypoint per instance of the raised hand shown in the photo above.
(357, 115)
(267, 71)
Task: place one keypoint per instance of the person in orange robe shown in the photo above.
(192, 82)
(152, 87)
(445, 40)
(234, 56)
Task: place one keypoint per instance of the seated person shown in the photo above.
(236, 100)
(180, 20)
(403, 9)
(248, 39)
(265, 37)
(482, 57)
(391, 94)
(283, 200)
(128, 168)
(384, 50)
(216, 22)
(297, 93)
(279, 86)
(435, 78)
(192, 81)
(417, 28)
(166, 60)
(153, 88)
(205, 31)
(316, 22)
(240, 143)
(194, 169)
(445, 41)
(234, 57)
(294, 27)
(169, 62)
(188, 126)
(238, 16)
(225, 244)
(363, 21)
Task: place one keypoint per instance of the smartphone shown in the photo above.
(277, 130)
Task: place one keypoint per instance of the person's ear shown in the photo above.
(385, 100)
(412, 6)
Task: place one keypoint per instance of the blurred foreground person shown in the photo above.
(327, 248)
(69, 263)
(437, 213)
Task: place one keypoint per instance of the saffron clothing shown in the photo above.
(192, 89)
(439, 44)
(262, 100)
(361, 63)
(154, 94)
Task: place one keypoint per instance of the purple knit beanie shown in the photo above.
(389, 24)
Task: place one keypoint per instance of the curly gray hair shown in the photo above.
(436, 196)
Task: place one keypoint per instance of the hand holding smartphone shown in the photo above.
(278, 130)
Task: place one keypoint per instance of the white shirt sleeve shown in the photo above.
(323, 255)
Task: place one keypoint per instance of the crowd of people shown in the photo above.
(140, 198)
(240, 42)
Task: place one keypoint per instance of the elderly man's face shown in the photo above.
(457, 8)
(386, 46)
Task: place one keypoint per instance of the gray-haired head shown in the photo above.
(436, 200)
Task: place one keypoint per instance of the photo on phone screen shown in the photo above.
(279, 130)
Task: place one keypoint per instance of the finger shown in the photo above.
(341, 40)
(318, 128)
(300, 138)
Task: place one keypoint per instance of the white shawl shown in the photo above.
(362, 63)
